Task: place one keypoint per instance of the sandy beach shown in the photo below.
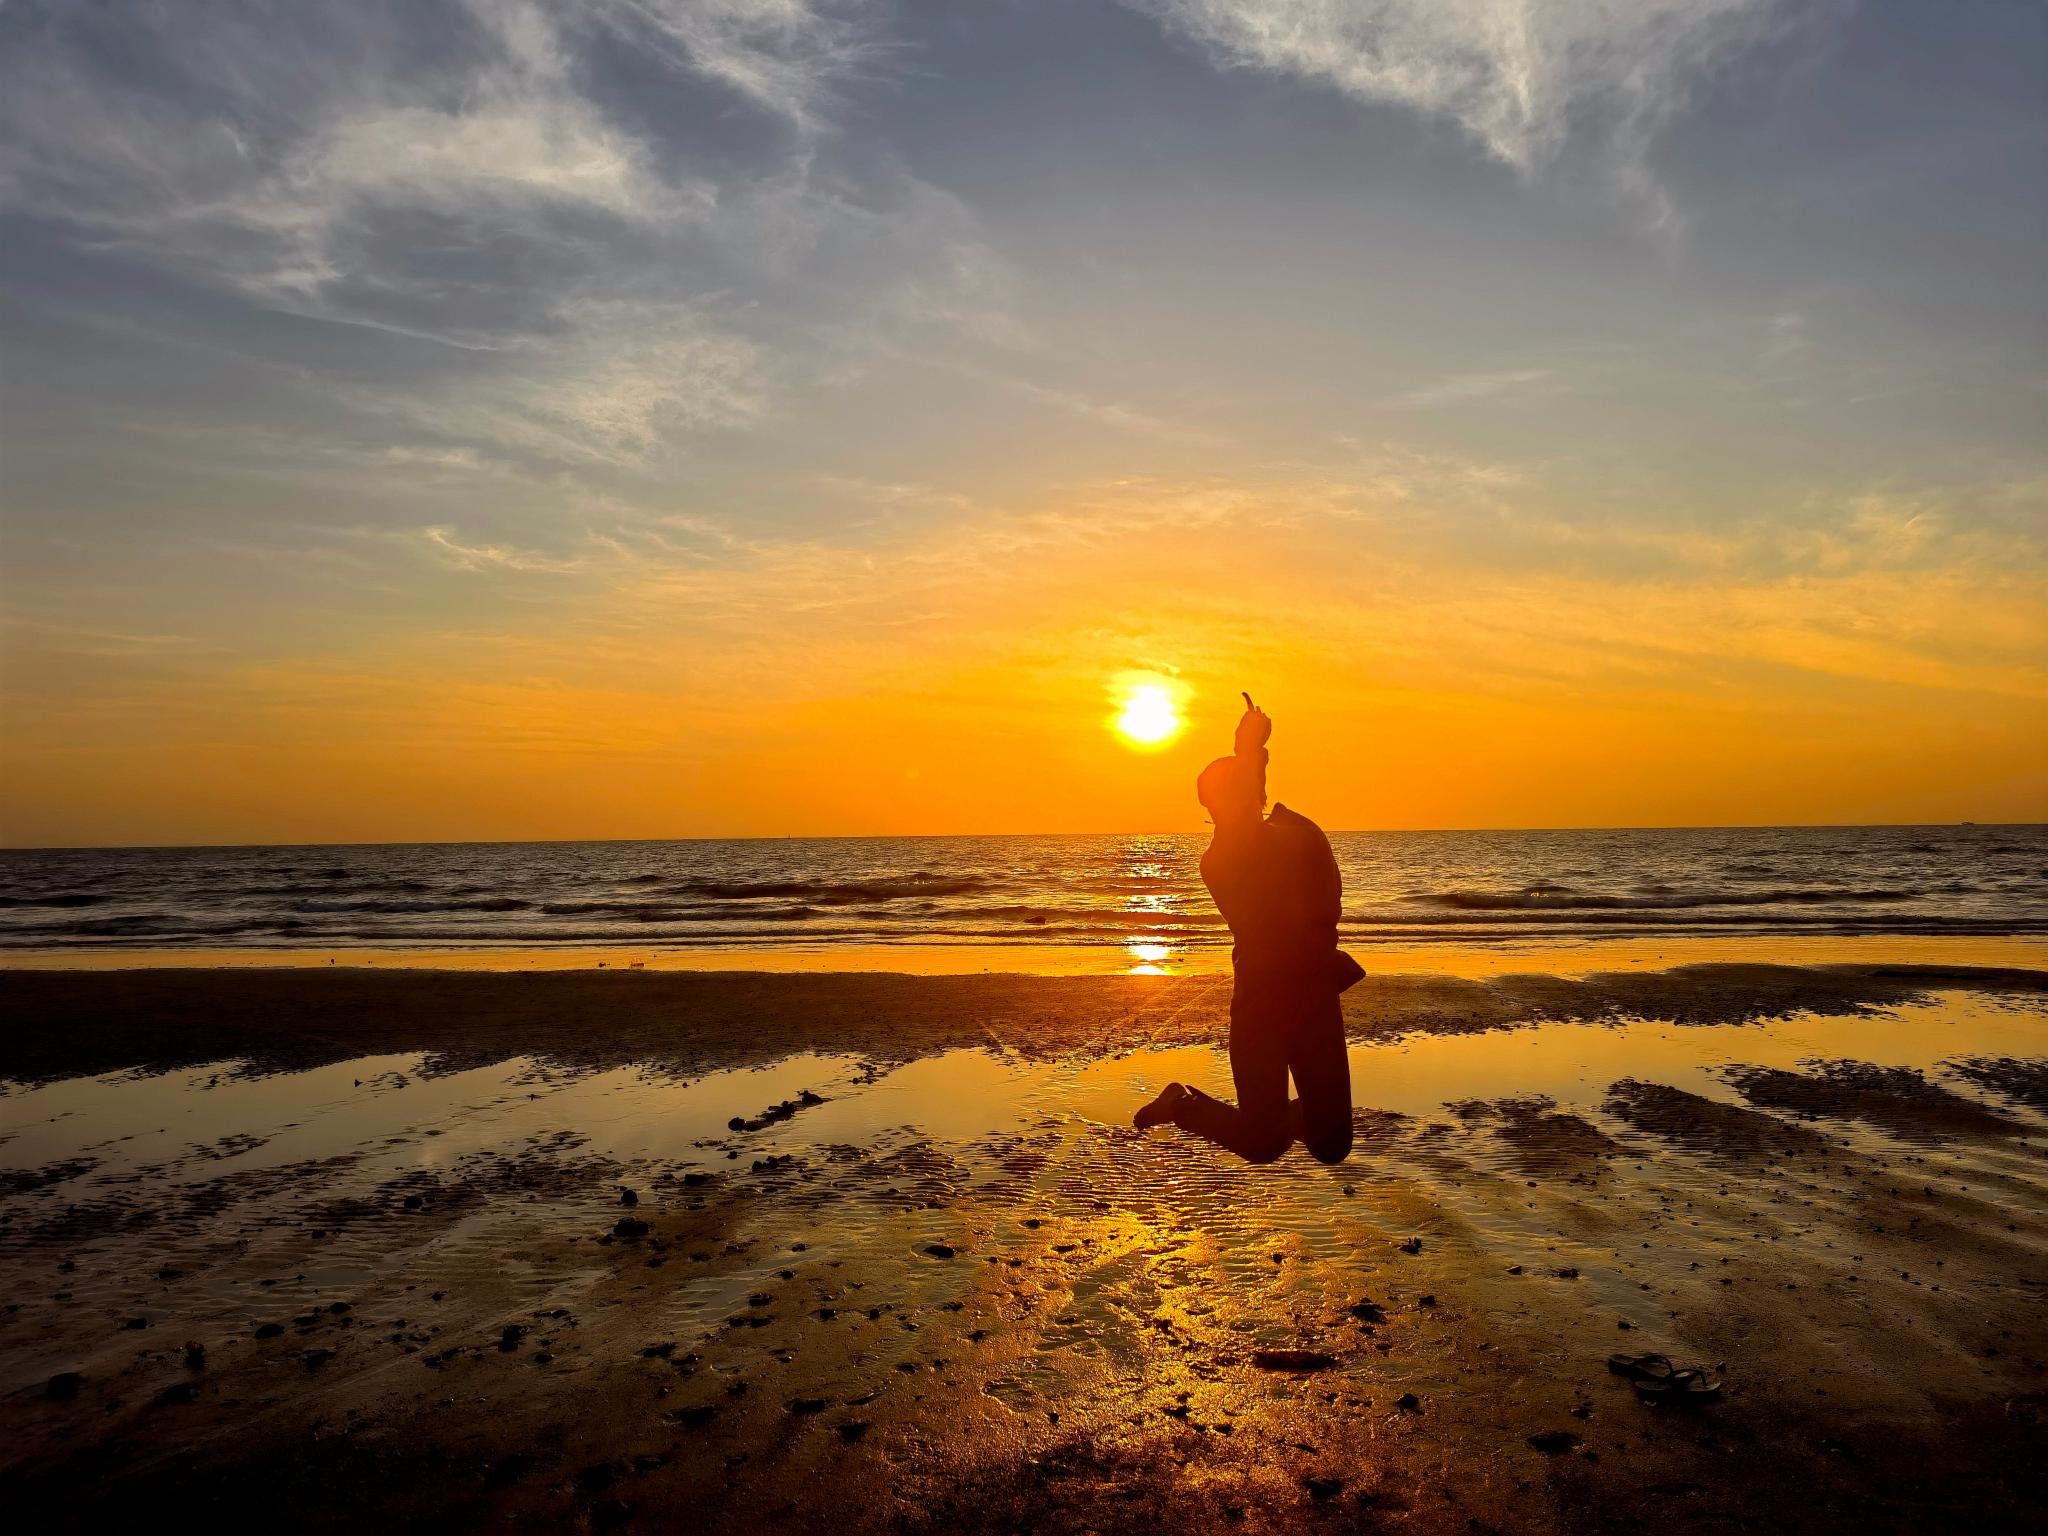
(584, 1249)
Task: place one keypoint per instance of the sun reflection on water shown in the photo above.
(1150, 958)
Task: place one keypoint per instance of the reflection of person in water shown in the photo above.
(1276, 883)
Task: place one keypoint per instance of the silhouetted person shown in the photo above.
(1276, 883)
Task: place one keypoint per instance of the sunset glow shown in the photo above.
(452, 441)
(1150, 718)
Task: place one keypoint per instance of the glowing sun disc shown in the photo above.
(1150, 716)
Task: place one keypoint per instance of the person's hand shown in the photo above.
(1255, 729)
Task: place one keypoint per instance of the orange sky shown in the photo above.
(961, 681)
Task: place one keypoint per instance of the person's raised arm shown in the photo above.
(1254, 730)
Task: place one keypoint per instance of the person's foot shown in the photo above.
(1160, 1110)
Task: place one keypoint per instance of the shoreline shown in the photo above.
(1139, 958)
(78, 1022)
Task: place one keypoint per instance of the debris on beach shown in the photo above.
(1293, 1359)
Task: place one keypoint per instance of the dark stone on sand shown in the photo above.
(1554, 1442)
(178, 1392)
(694, 1418)
(939, 1250)
(1425, 1301)
(1410, 1245)
(1408, 1402)
(629, 1197)
(807, 1405)
(630, 1226)
(657, 1351)
(314, 1357)
(807, 1097)
(509, 1338)
(63, 1386)
(736, 1123)
(413, 1202)
(1368, 1312)
(1292, 1359)
(694, 1179)
(339, 1307)
(852, 1430)
(542, 1357)
(269, 1330)
(1321, 1488)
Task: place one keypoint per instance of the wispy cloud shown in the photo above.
(785, 55)
(1460, 388)
(1518, 75)
(473, 557)
(465, 174)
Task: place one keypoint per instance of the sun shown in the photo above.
(1149, 717)
(1148, 711)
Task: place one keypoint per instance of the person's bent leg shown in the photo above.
(1257, 1127)
(1322, 1078)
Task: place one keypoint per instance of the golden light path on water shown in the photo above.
(1150, 959)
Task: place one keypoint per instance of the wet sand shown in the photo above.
(932, 1280)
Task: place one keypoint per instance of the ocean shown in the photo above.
(1404, 888)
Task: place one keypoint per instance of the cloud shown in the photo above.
(473, 557)
(1520, 76)
(1459, 388)
(593, 283)
(784, 55)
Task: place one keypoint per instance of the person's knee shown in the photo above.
(1267, 1147)
(1332, 1148)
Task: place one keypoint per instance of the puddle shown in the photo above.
(200, 1124)
(211, 1201)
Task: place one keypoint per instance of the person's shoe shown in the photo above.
(1160, 1110)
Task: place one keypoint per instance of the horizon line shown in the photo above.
(875, 837)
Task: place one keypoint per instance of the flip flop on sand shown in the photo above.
(1656, 1379)
(1641, 1367)
(1691, 1384)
